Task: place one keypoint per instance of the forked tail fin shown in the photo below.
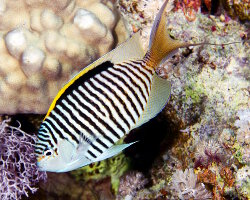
(161, 44)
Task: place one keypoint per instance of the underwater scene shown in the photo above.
(124, 99)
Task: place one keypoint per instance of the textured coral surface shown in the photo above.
(44, 43)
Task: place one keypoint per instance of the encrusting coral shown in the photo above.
(43, 43)
(18, 171)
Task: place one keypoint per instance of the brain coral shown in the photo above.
(42, 43)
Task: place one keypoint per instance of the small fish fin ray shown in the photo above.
(158, 98)
(161, 44)
(112, 151)
(130, 49)
(76, 164)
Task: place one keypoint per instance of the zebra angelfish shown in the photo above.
(105, 101)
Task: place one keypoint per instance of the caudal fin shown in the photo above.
(161, 44)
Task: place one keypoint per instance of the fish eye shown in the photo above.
(48, 152)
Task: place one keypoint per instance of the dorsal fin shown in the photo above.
(130, 49)
(158, 98)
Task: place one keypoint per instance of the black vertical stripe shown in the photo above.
(45, 140)
(112, 103)
(54, 127)
(96, 148)
(92, 154)
(122, 91)
(73, 137)
(121, 70)
(144, 66)
(47, 136)
(41, 144)
(129, 87)
(102, 143)
(90, 101)
(94, 115)
(106, 107)
(89, 120)
(117, 97)
(60, 124)
(138, 68)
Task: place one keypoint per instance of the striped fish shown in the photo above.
(104, 102)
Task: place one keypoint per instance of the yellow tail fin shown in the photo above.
(161, 44)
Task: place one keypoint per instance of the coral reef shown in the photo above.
(130, 183)
(238, 8)
(243, 181)
(209, 105)
(208, 152)
(18, 171)
(189, 8)
(46, 44)
(184, 185)
(207, 155)
(243, 136)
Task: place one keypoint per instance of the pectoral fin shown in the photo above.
(158, 98)
(67, 150)
(112, 151)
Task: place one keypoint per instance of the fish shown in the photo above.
(100, 105)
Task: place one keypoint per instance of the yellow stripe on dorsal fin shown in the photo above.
(130, 49)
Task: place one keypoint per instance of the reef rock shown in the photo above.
(43, 43)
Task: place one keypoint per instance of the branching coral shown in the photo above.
(43, 43)
(184, 185)
(18, 170)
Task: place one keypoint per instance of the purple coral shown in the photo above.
(184, 185)
(18, 170)
(131, 183)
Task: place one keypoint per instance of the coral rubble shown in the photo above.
(44, 43)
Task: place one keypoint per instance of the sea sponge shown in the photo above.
(43, 43)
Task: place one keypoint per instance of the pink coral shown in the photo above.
(18, 170)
